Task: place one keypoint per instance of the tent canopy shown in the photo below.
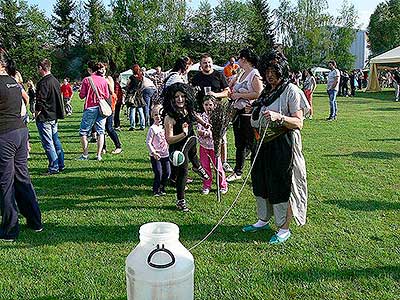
(389, 57)
(196, 67)
(320, 70)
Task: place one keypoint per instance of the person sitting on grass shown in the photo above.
(178, 118)
(159, 155)
(207, 153)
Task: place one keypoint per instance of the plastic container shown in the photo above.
(160, 267)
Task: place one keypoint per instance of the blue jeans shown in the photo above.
(332, 103)
(132, 116)
(91, 116)
(147, 94)
(51, 144)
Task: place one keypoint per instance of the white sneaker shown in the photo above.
(233, 177)
(227, 167)
(224, 191)
(99, 158)
(206, 191)
(116, 151)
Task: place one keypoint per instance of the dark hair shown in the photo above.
(275, 60)
(181, 64)
(169, 100)
(332, 62)
(205, 55)
(7, 62)
(45, 64)
(249, 55)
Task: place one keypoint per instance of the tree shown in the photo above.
(260, 32)
(11, 25)
(231, 27)
(64, 23)
(384, 27)
(305, 32)
(200, 34)
(343, 34)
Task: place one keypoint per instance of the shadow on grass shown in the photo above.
(386, 109)
(385, 140)
(319, 274)
(375, 155)
(365, 205)
(54, 234)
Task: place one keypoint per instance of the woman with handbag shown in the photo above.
(134, 98)
(94, 88)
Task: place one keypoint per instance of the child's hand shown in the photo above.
(156, 156)
(185, 128)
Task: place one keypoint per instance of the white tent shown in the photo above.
(124, 76)
(320, 70)
(389, 57)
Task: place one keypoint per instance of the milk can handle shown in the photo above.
(162, 249)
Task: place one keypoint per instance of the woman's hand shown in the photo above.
(272, 115)
(156, 156)
(235, 96)
(185, 128)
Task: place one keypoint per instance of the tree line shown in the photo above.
(156, 32)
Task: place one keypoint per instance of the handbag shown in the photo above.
(104, 107)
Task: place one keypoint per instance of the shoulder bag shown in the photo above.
(104, 107)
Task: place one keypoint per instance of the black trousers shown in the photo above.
(244, 139)
(16, 189)
(162, 171)
(117, 111)
(111, 133)
(190, 153)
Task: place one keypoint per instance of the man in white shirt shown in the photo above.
(332, 89)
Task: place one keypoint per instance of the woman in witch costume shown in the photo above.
(279, 173)
(179, 116)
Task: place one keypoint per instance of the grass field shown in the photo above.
(349, 249)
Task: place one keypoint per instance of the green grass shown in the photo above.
(349, 248)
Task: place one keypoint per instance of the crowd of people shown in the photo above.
(268, 115)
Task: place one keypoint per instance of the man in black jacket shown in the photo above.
(49, 108)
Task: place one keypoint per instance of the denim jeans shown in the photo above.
(91, 116)
(147, 94)
(51, 144)
(132, 116)
(332, 103)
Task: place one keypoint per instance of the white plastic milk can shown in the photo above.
(160, 267)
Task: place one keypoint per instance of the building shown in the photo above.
(359, 48)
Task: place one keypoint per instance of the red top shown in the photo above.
(66, 90)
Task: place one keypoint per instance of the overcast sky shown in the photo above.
(364, 7)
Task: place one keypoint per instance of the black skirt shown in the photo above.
(272, 172)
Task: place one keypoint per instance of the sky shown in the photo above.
(364, 7)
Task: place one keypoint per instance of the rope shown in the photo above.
(237, 197)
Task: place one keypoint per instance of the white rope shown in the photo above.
(237, 197)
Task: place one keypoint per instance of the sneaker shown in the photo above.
(104, 151)
(99, 158)
(156, 195)
(201, 172)
(7, 239)
(117, 128)
(227, 167)
(181, 205)
(116, 151)
(49, 173)
(233, 177)
(83, 157)
(206, 191)
(131, 129)
(163, 193)
(224, 191)
(276, 239)
(141, 128)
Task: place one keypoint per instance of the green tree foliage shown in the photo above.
(311, 36)
(63, 23)
(384, 27)
(231, 27)
(260, 33)
(343, 34)
(25, 32)
(200, 34)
